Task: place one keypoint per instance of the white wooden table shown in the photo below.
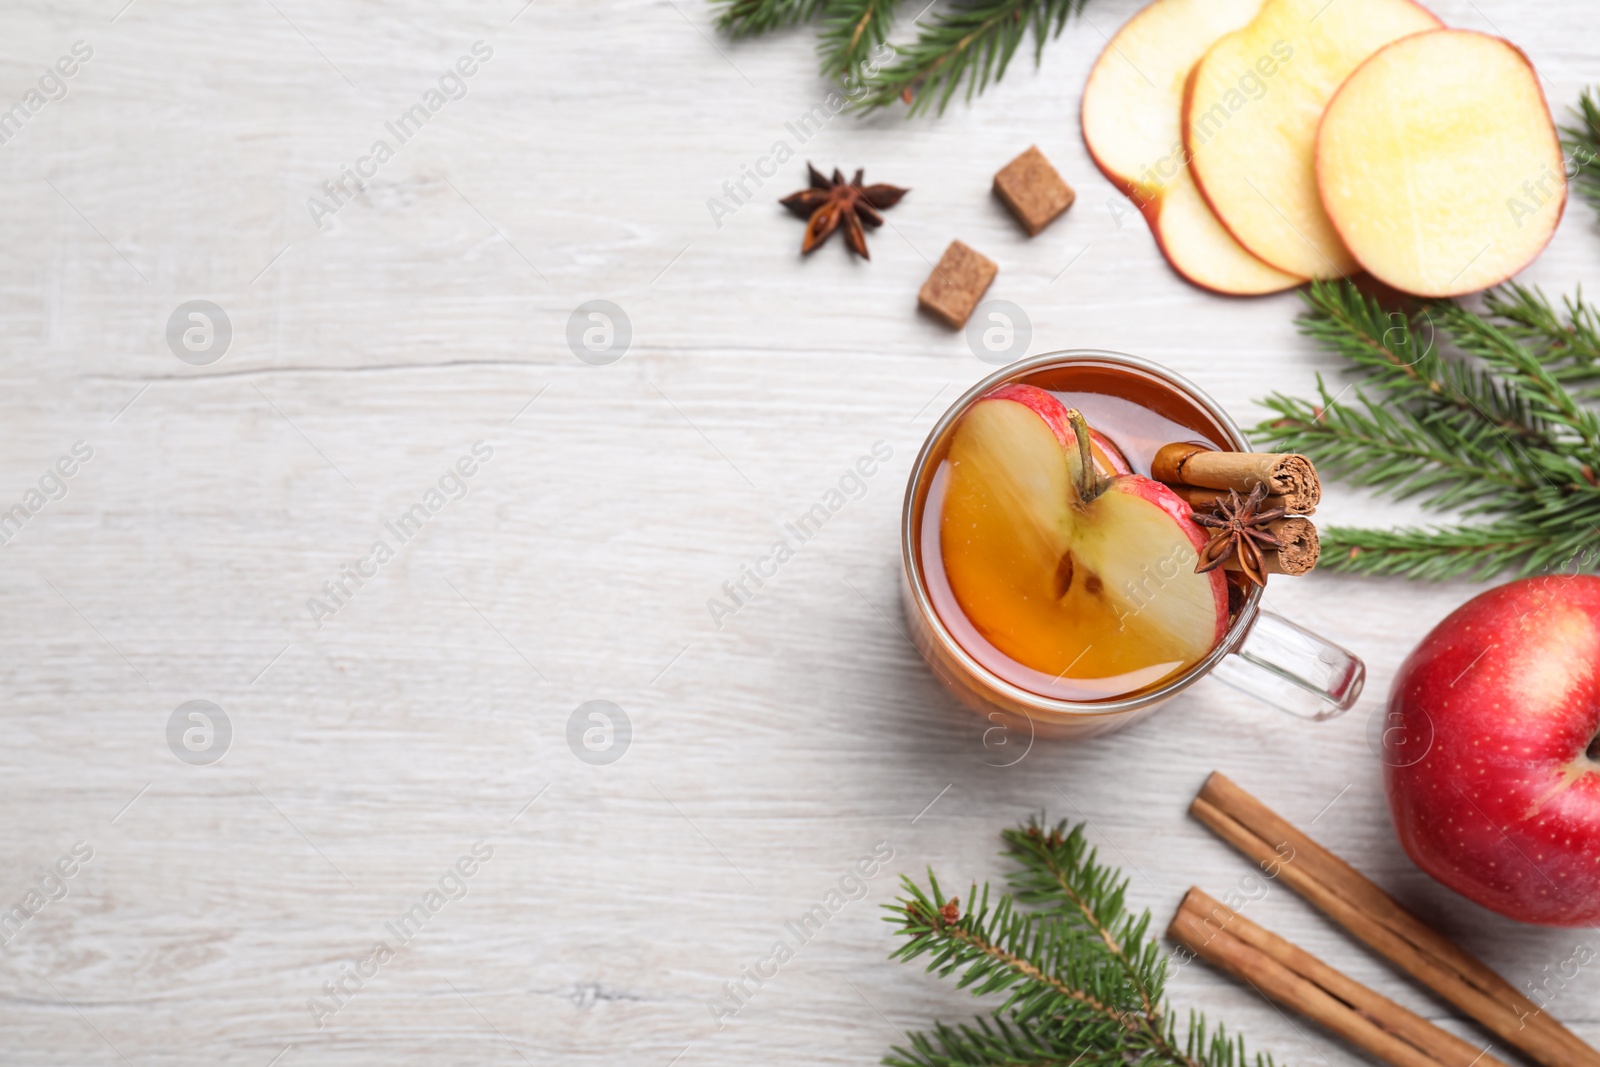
(430, 711)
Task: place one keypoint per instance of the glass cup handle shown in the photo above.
(1293, 669)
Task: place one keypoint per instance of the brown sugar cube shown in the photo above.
(1032, 189)
(957, 284)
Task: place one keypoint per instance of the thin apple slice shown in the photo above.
(1201, 249)
(1250, 121)
(1439, 163)
(1088, 589)
(1132, 105)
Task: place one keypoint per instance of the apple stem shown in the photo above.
(1089, 482)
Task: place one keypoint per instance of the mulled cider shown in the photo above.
(1047, 551)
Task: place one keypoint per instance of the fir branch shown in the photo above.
(1567, 343)
(852, 30)
(1581, 142)
(973, 41)
(1372, 444)
(1082, 976)
(1060, 872)
(1467, 551)
(1545, 398)
(1494, 429)
(1048, 968)
(1402, 357)
(994, 1041)
(745, 18)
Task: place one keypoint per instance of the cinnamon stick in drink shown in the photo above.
(1300, 551)
(1286, 474)
(1201, 499)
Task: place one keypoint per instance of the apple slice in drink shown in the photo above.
(1108, 458)
(1132, 107)
(1068, 568)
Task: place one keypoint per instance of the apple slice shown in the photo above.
(1250, 121)
(1439, 163)
(1202, 250)
(1108, 458)
(1068, 571)
(1132, 105)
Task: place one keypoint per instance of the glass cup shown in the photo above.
(1262, 653)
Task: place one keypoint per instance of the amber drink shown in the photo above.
(1047, 574)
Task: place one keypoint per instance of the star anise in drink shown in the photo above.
(1239, 528)
(832, 203)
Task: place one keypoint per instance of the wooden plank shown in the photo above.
(430, 313)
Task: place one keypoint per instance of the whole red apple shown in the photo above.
(1494, 783)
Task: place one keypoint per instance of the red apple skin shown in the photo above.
(1150, 206)
(1108, 456)
(1041, 403)
(1566, 189)
(1505, 806)
(1174, 505)
(1189, 148)
(1110, 461)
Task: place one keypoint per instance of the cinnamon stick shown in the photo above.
(1368, 913)
(1299, 553)
(1286, 474)
(1201, 499)
(1293, 978)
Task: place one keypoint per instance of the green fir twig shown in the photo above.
(1080, 975)
(1477, 412)
(1581, 143)
(972, 42)
(853, 31)
(969, 42)
(746, 18)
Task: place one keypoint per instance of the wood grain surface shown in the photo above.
(375, 745)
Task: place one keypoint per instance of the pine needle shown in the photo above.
(853, 30)
(968, 42)
(1081, 976)
(1581, 142)
(1468, 411)
(972, 41)
(745, 18)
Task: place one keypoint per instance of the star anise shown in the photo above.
(830, 203)
(1240, 528)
